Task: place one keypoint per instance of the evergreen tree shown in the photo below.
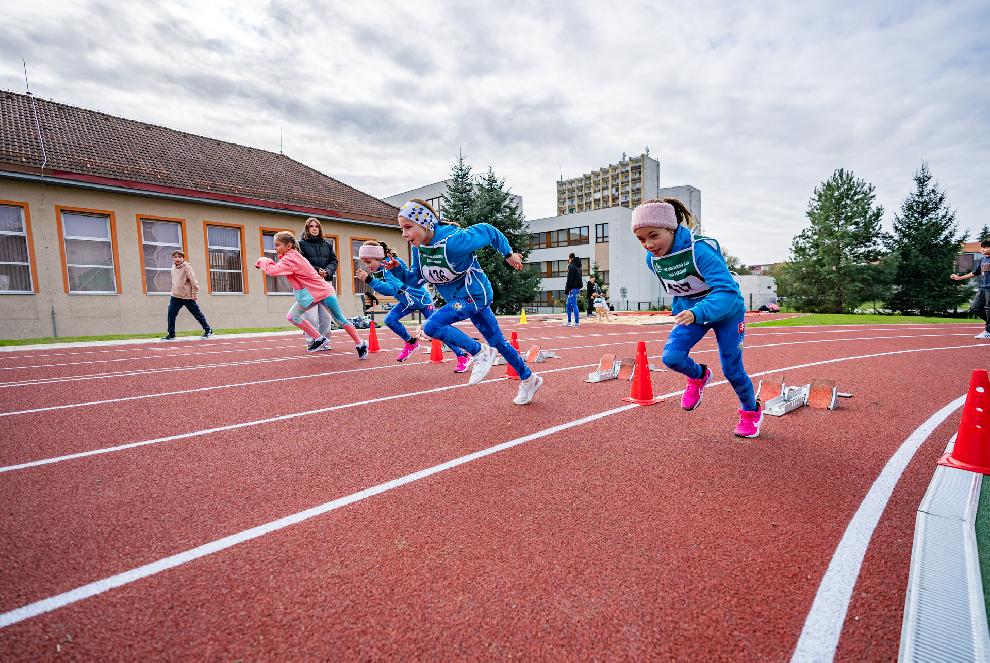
(984, 233)
(828, 270)
(926, 243)
(458, 201)
(493, 204)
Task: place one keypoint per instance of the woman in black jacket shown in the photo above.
(573, 288)
(320, 254)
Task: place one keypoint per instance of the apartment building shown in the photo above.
(91, 206)
(624, 184)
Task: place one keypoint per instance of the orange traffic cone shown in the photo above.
(972, 449)
(642, 387)
(509, 371)
(436, 352)
(373, 339)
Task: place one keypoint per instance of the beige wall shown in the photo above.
(133, 311)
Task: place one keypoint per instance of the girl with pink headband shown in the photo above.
(377, 260)
(443, 254)
(309, 289)
(706, 297)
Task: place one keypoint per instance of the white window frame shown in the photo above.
(240, 251)
(109, 240)
(144, 241)
(273, 256)
(27, 250)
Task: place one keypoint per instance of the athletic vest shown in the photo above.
(678, 272)
(434, 266)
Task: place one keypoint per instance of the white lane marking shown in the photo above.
(323, 374)
(823, 625)
(106, 584)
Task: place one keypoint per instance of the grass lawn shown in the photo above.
(983, 539)
(117, 337)
(858, 319)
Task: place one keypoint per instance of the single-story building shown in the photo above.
(92, 205)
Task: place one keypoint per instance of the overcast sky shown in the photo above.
(754, 103)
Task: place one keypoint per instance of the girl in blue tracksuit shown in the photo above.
(443, 254)
(706, 297)
(376, 257)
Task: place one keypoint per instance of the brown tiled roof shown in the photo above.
(93, 144)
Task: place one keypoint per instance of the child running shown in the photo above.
(691, 268)
(443, 254)
(377, 258)
(309, 289)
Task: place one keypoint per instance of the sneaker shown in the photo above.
(749, 422)
(983, 334)
(316, 344)
(696, 389)
(462, 363)
(407, 350)
(362, 350)
(168, 338)
(208, 333)
(482, 363)
(527, 389)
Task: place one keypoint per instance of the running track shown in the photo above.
(240, 499)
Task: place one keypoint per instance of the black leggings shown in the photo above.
(980, 306)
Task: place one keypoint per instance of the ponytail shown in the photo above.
(286, 237)
(684, 216)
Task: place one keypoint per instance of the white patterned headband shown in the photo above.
(419, 214)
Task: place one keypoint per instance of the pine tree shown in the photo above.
(926, 243)
(458, 201)
(828, 270)
(493, 204)
(984, 233)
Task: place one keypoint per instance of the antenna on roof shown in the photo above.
(37, 122)
(280, 140)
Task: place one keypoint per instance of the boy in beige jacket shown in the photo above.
(185, 287)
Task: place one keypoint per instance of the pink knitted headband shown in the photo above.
(654, 215)
(371, 251)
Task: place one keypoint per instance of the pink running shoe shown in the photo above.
(695, 390)
(407, 350)
(462, 363)
(749, 422)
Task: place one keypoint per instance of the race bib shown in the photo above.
(434, 266)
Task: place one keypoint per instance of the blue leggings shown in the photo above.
(328, 303)
(572, 305)
(399, 311)
(441, 325)
(729, 334)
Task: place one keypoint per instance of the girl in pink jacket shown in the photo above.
(309, 289)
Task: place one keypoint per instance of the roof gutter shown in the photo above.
(154, 191)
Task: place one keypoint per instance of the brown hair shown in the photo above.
(428, 206)
(286, 237)
(684, 216)
(178, 252)
(319, 226)
(388, 251)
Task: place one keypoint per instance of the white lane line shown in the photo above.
(324, 374)
(106, 584)
(823, 625)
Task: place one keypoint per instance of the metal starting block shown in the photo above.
(610, 368)
(534, 356)
(781, 399)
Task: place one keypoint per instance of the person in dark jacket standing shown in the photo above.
(573, 287)
(592, 290)
(320, 254)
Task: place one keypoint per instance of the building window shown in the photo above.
(601, 233)
(158, 240)
(15, 252)
(274, 285)
(90, 255)
(604, 277)
(226, 264)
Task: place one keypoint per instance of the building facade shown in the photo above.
(92, 205)
(433, 194)
(625, 184)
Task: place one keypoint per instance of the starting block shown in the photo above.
(536, 355)
(781, 399)
(610, 368)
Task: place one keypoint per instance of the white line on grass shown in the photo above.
(106, 584)
(823, 625)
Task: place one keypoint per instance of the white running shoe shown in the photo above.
(527, 389)
(983, 334)
(482, 363)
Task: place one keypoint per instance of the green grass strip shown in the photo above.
(118, 337)
(855, 319)
(983, 540)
